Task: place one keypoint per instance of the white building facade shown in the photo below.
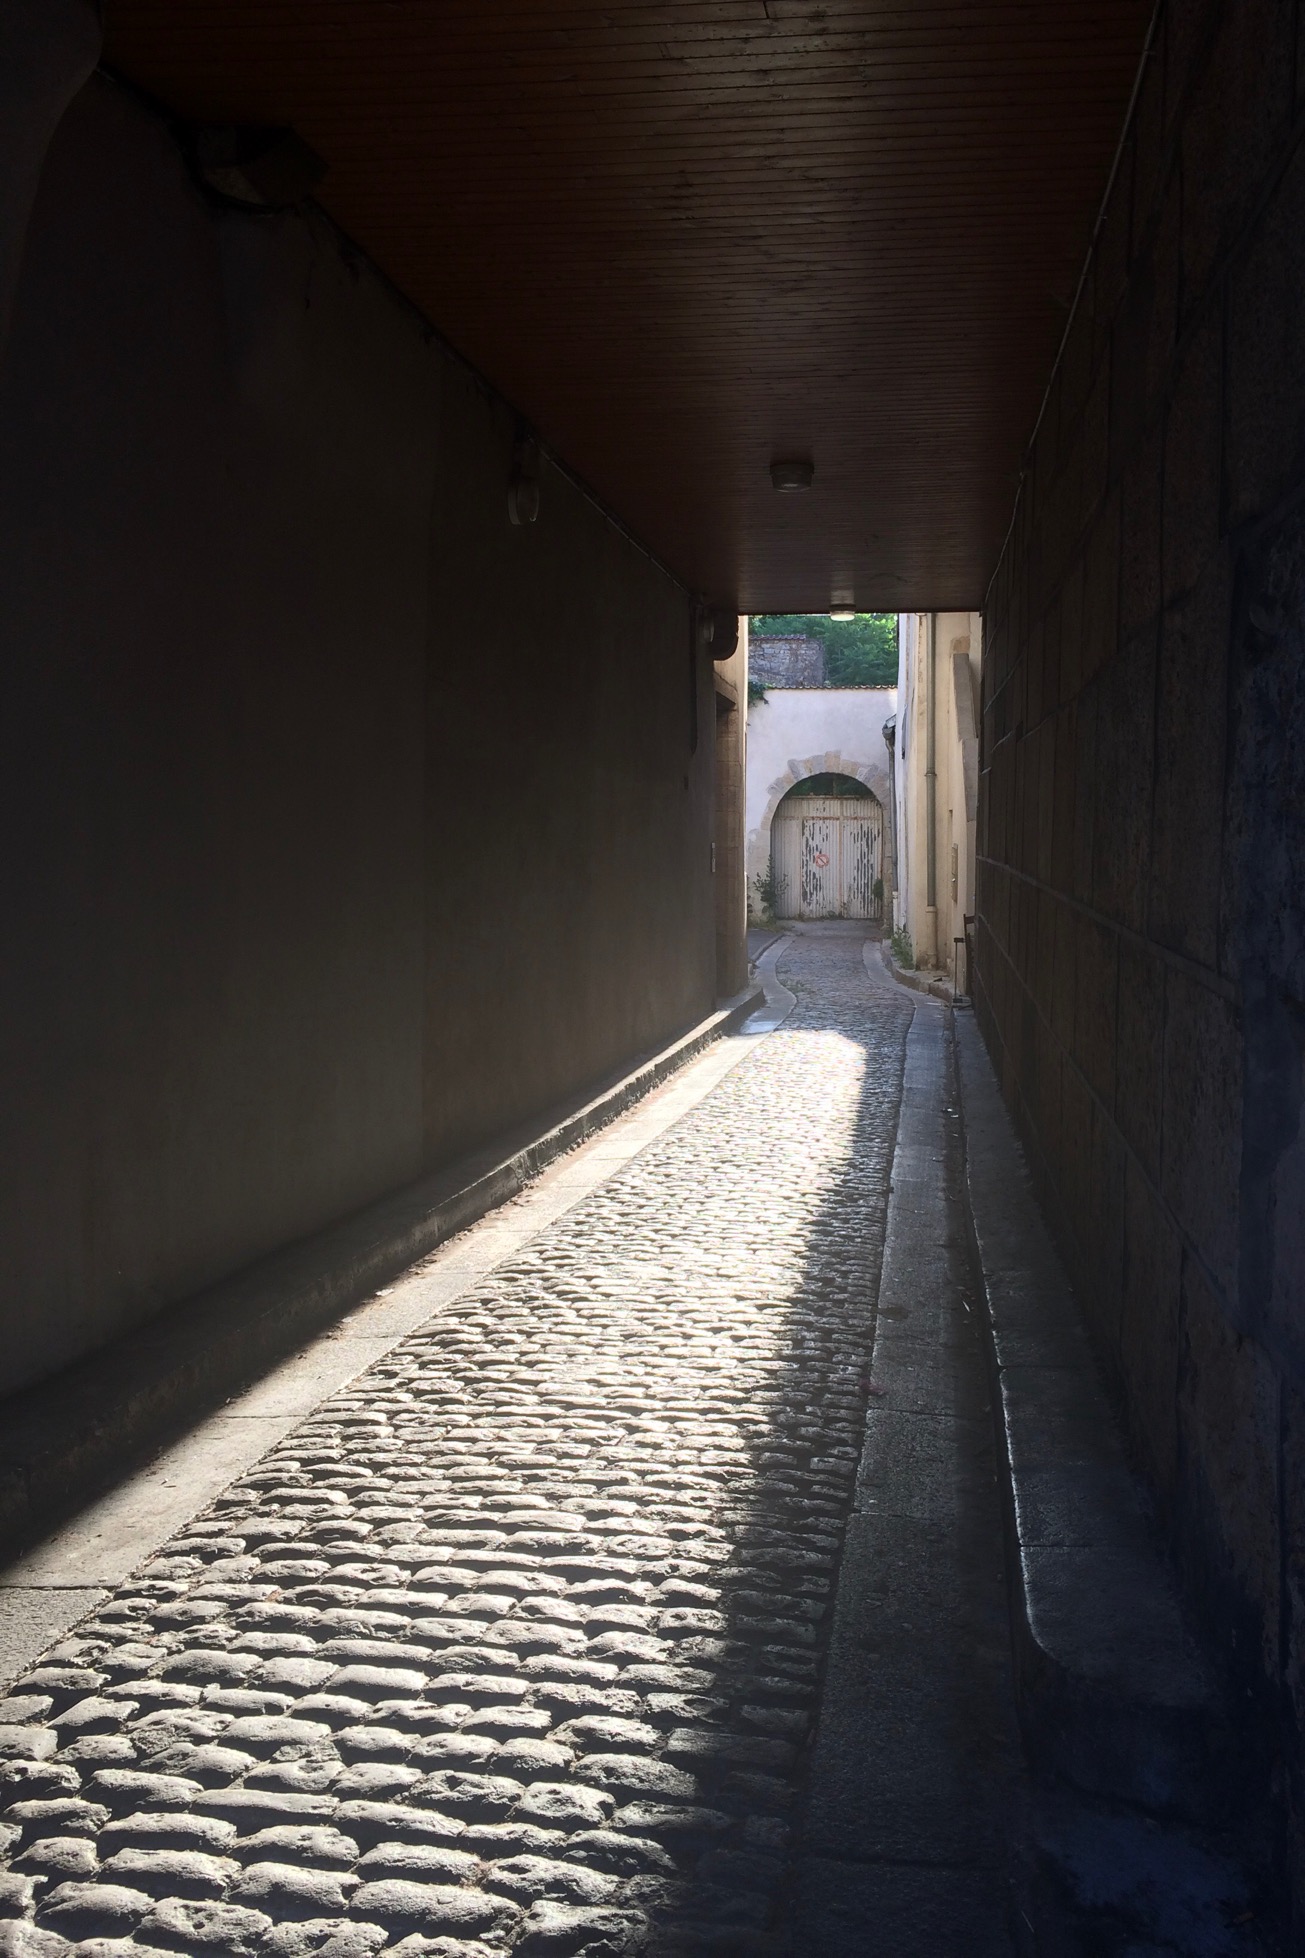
(794, 735)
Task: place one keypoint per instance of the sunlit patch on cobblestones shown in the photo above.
(516, 1644)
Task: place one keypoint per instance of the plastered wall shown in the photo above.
(345, 825)
(1141, 854)
(800, 731)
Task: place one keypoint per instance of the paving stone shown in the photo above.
(335, 1710)
(513, 1838)
(478, 1797)
(90, 1715)
(565, 1805)
(373, 1780)
(323, 1937)
(19, 1939)
(417, 1946)
(372, 1742)
(528, 1757)
(23, 1743)
(404, 1906)
(63, 1683)
(62, 1816)
(292, 1672)
(207, 1766)
(171, 1872)
(540, 1598)
(87, 1910)
(621, 1855)
(321, 1848)
(155, 1694)
(167, 1829)
(18, 1891)
(254, 1808)
(224, 1929)
(59, 1857)
(99, 1750)
(460, 1749)
(417, 1863)
(638, 1774)
(657, 1818)
(204, 1665)
(290, 1890)
(526, 1878)
(123, 1788)
(176, 1727)
(600, 1730)
(554, 1930)
(372, 1822)
(366, 1682)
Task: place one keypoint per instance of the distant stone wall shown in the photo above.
(794, 662)
(1141, 855)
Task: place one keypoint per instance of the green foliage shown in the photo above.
(756, 693)
(769, 889)
(903, 951)
(859, 652)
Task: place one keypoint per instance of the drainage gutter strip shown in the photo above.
(1115, 1695)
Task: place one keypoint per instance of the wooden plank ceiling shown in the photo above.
(686, 237)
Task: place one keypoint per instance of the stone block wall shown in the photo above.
(794, 662)
(1141, 854)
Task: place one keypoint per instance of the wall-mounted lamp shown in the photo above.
(725, 638)
(256, 167)
(715, 631)
(523, 483)
(842, 607)
(792, 474)
(704, 629)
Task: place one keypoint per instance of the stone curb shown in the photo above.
(66, 1437)
(914, 981)
(1115, 1694)
(776, 935)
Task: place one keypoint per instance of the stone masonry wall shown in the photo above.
(797, 662)
(1141, 874)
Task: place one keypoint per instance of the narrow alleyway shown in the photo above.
(579, 1623)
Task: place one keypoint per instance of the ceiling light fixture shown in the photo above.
(792, 474)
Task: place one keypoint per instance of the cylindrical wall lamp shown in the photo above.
(523, 483)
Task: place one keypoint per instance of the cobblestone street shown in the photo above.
(518, 1643)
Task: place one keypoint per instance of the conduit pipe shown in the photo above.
(931, 798)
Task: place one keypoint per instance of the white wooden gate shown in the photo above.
(826, 853)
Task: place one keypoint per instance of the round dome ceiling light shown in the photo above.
(792, 475)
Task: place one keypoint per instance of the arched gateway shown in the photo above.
(827, 850)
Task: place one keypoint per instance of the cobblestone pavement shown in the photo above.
(517, 1643)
